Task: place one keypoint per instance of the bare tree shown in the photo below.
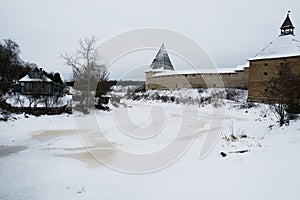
(88, 71)
(51, 101)
(283, 93)
(32, 100)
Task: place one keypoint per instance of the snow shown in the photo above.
(242, 67)
(283, 46)
(28, 79)
(54, 162)
(24, 101)
(161, 69)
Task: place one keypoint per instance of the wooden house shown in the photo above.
(38, 84)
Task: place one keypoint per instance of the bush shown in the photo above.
(247, 105)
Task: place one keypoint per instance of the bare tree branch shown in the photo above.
(88, 70)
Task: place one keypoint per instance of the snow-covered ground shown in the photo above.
(24, 101)
(46, 157)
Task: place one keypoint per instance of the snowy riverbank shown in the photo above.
(45, 157)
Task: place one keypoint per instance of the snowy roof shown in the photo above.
(158, 70)
(203, 71)
(283, 46)
(161, 60)
(28, 79)
(241, 67)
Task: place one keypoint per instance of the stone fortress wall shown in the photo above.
(282, 51)
(177, 80)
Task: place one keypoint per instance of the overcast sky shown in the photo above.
(230, 31)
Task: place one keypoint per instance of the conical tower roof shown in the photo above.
(162, 60)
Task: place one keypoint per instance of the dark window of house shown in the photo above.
(35, 86)
(265, 73)
(35, 75)
(28, 85)
(266, 64)
(185, 75)
(266, 89)
(193, 75)
(282, 63)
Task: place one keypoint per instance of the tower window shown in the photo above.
(265, 73)
(266, 64)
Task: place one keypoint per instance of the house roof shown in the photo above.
(161, 60)
(28, 79)
(35, 75)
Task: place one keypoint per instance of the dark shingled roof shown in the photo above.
(287, 27)
(287, 23)
(162, 60)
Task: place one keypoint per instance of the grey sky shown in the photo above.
(230, 31)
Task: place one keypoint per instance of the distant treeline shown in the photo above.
(115, 82)
(126, 83)
(122, 83)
